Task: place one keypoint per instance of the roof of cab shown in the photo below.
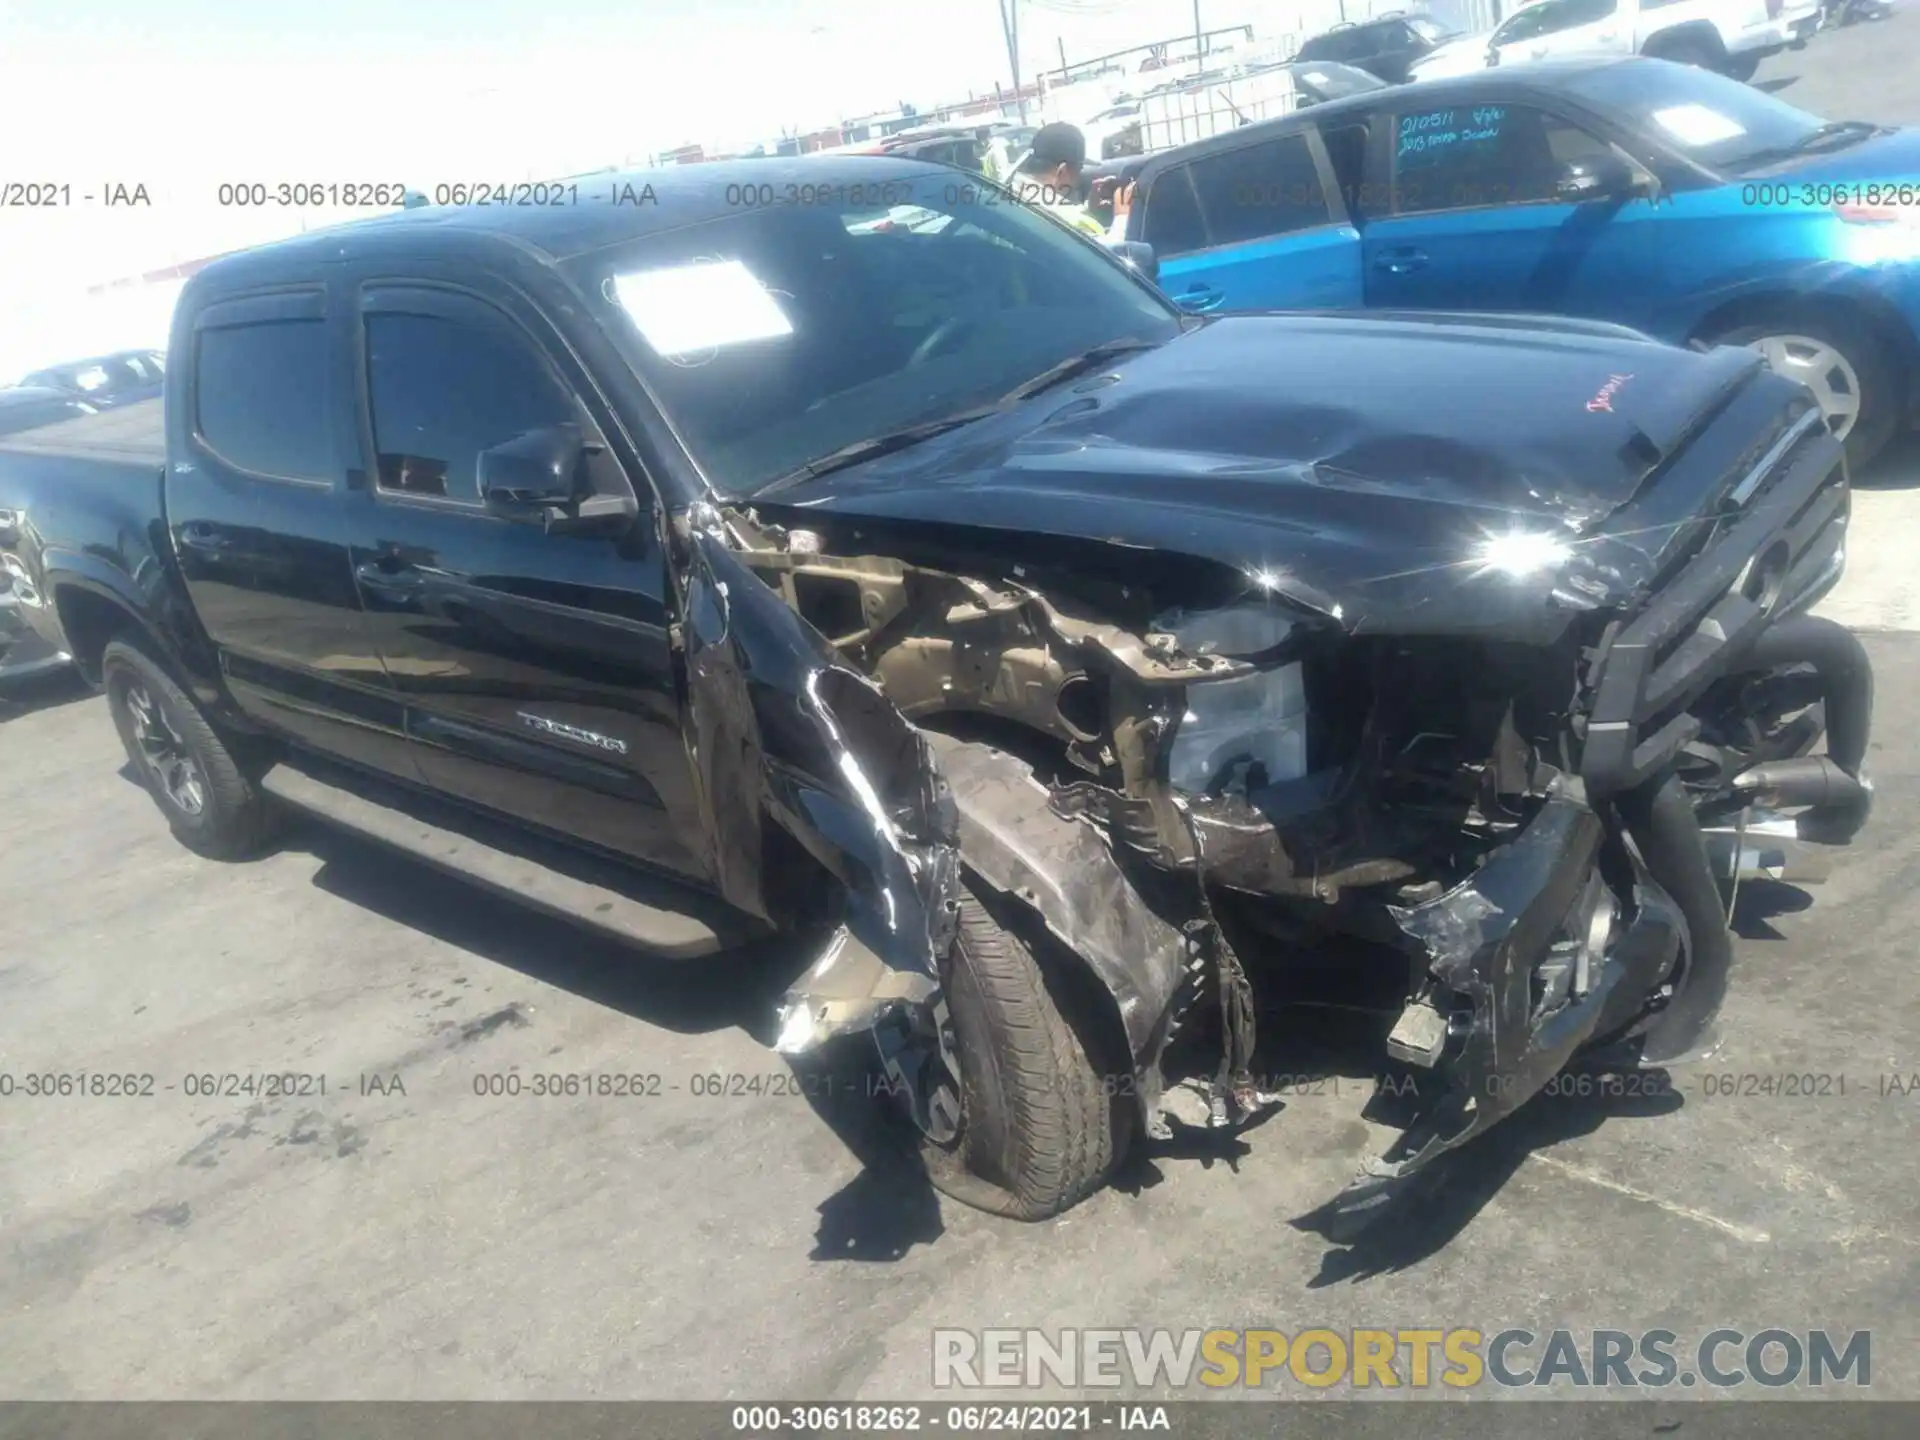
(602, 210)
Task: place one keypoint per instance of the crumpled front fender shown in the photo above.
(782, 734)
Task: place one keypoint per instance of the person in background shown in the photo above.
(993, 159)
(1051, 176)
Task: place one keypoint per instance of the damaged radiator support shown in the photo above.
(1234, 1095)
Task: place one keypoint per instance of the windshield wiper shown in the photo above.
(1075, 365)
(1815, 139)
(874, 446)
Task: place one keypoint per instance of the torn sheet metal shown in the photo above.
(783, 734)
(1489, 943)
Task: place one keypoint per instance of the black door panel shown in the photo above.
(536, 668)
(257, 510)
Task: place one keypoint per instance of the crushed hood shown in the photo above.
(1359, 463)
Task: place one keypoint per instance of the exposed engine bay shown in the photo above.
(1188, 776)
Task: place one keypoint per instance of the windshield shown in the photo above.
(1719, 122)
(108, 376)
(774, 336)
(1331, 80)
(1429, 29)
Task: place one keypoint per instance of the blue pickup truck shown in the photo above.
(1659, 196)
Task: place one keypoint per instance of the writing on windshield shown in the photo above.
(1440, 129)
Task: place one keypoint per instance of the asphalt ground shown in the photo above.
(402, 1236)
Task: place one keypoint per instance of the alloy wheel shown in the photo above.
(1822, 369)
(165, 752)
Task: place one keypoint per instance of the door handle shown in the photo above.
(198, 535)
(1607, 34)
(1402, 260)
(389, 577)
(1197, 298)
(1538, 52)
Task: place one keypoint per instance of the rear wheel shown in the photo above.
(1740, 67)
(1845, 367)
(1686, 50)
(1043, 1122)
(211, 805)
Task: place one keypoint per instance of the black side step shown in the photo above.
(599, 894)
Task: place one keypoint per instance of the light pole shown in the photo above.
(1199, 41)
(1010, 27)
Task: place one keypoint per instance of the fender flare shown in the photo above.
(153, 612)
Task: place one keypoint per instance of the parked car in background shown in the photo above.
(1387, 46)
(1731, 36)
(106, 380)
(1114, 132)
(23, 651)
(22, 407)
(1659, 196)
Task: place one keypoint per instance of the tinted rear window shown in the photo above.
(261, 396)
(1260, 190)
(1343, 46)
(1173, 224)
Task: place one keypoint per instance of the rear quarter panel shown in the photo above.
(94, 528)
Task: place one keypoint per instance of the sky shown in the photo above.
(180, 96)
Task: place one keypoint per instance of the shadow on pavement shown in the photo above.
(48, 691)
(733, 988)
(1759, 901)
(1895, 468)
(1439, 1202)
(890, 1206)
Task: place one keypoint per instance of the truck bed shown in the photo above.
(127, 433)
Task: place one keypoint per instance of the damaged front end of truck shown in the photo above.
(1503, 760)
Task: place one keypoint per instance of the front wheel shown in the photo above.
(1043, 1122)
(1844, 366)
(1740, 67)
(211, 805)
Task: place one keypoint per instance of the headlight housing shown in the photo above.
(1244, 731)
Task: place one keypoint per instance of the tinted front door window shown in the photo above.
(444, 392)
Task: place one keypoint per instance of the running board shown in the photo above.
(598, 894)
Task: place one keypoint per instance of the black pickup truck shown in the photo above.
(836, 548)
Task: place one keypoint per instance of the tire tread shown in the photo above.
(1065, 1132)
(242, 820)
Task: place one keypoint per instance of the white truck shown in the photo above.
(1731, 36)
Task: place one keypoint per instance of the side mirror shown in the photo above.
(540, 472)
(1140, 256)
(1596, 177)
(538, 469)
